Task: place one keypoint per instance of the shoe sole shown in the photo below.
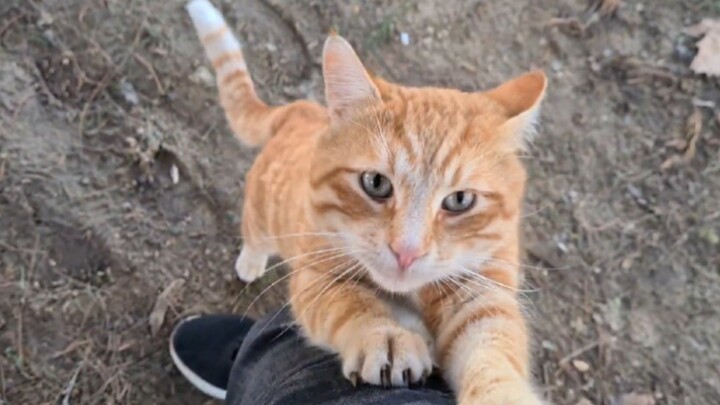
(197, 381)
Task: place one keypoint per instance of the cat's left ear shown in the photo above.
(348, 86)
(520, 98)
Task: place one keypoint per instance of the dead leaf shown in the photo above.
(687, 146)
(157, 316)
(707, 60)
(584, 401)
(637, 399)
(581, 366)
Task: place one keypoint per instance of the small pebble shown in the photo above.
(556, 65)
(175, 174)
(405, 38)
(580, 365)
(128, 92)
(203, 76)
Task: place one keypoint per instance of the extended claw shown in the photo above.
(423, 379)
(406, 377)
(354, 379)
(385, 376)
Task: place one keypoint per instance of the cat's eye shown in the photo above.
(459, 202)
(376, 185)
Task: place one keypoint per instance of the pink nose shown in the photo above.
(405, 256)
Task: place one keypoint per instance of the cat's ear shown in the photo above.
(520, 98)
(347, 83)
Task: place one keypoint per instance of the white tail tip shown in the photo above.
(205, 16)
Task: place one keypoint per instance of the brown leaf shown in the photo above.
(157, 316)
(707, 60)
(702, 28)
(583, 401)
(687, 146)
(637, 399)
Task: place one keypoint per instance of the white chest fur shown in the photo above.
(405, 310)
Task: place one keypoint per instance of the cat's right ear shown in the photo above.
(520, 98)
(348, 86)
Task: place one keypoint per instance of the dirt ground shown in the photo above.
(102, 102)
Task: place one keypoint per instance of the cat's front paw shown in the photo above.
(250, 265)
(516, 392)
(386, 355)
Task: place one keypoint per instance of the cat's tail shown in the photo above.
(250, 118)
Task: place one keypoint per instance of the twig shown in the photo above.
(20, 349)
(67, 392)
(100, 86)
(33, 258)
(70, 348)
(3, 385)
(152, 71)
(565, 360)
(21, 104)
(10, 24)
(575, 26)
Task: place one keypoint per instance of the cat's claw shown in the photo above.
(389, 356)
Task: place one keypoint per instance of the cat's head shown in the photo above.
(420, 184)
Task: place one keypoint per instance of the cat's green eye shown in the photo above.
(459, 202)
(375, 185)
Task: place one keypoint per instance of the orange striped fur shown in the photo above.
(397, 282)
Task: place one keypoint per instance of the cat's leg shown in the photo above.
(347, 318)
(482, 346)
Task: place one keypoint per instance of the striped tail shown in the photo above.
(249, 117)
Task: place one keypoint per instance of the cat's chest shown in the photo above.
(406, 312)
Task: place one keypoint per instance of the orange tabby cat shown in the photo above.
(398, 209)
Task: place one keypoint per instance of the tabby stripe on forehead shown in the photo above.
(327, 176)
(451, 154)
(407, 145)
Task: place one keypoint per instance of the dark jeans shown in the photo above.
(276, 366)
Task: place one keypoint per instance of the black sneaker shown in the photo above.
(204, 347)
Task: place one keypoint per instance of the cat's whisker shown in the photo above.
(483, 260)
(533, 213)
(494, 286)
(293, 258)
(333, 256)
(482, 278)
(353, 268)
(328, 285)
(303, 234)
(298, 294)
(295, 235)
(471, 295)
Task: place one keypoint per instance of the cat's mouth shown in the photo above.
(396, 281)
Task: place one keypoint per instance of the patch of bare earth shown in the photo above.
(101, 102)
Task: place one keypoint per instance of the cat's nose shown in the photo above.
(405, 255)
